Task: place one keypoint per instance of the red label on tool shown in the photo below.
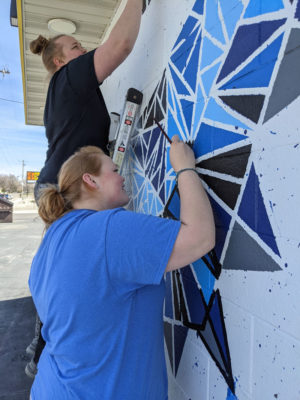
(122, 149)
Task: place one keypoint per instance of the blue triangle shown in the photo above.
(208, 78)
(170, 98)
(222, 222)
(205, 278)
(162, 194)
(186, 30)
(174, 206)
(231, 10)
(256, 8)
(159, 207)
(210, 52)
(212, 22)
(180, 333)
(217, 113)
(172, 126)
(253, 211)
(198, 7)
(217, 318)
(167, 185)
(210, 138)
(179, 116)
(187, 108)
(139, 180)
(254, 35)
(179, 85)
(180, 57)
(194, 300)
(259, 71)
(198, 109)
(168, 297)
(191, 71)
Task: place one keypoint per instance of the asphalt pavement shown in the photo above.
(19, 241)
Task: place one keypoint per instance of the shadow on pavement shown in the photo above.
(17, 321)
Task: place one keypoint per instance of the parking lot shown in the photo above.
(19, 241)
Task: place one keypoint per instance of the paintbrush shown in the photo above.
(162, 130)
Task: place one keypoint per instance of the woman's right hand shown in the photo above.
(181, 155)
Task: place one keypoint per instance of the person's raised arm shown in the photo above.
(196, 236)
(120, 42)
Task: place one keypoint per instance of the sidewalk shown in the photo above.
(19, 241)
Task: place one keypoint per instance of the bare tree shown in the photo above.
(9, 184)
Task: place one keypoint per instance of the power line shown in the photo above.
(12, 101)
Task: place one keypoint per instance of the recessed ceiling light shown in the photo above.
(60, 25)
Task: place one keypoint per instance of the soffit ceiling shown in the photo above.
(92, 19)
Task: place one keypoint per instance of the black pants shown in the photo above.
(38, 324)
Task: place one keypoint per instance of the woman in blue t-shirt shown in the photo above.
(97, 279)
(75, 112)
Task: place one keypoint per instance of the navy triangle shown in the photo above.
(180, 333)
(154, 181)
(254, 35)
(153, 141)
(218, 326)
(168, 297)
(259, 71)
(217, 318)
(168, 331)
(190, 73)
(146, 136)
(222, 222)
(180, 57)
(253, 211)
(194, 301)
(180, 87)
(297, 14)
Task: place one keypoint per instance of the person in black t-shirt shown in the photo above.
(75, 112)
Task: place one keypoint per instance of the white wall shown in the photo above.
(258, 285)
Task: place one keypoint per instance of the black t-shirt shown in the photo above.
(75, 114)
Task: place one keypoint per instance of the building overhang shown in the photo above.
(92, 19)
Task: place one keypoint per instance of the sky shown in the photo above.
(18, 142)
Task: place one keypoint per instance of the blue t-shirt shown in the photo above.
(97, 283)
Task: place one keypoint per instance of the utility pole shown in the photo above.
(23, 165)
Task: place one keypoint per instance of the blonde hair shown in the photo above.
(49, 49)
(55, 201)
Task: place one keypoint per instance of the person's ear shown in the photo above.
(58, 62)
(88, 179)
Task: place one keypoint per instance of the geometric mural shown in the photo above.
(223, 79)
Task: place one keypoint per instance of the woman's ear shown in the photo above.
(88, 179)
(58, 62)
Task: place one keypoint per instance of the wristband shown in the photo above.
(184, 169)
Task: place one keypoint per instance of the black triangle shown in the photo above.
(233, 162)
(248, 105)
(227, 191)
